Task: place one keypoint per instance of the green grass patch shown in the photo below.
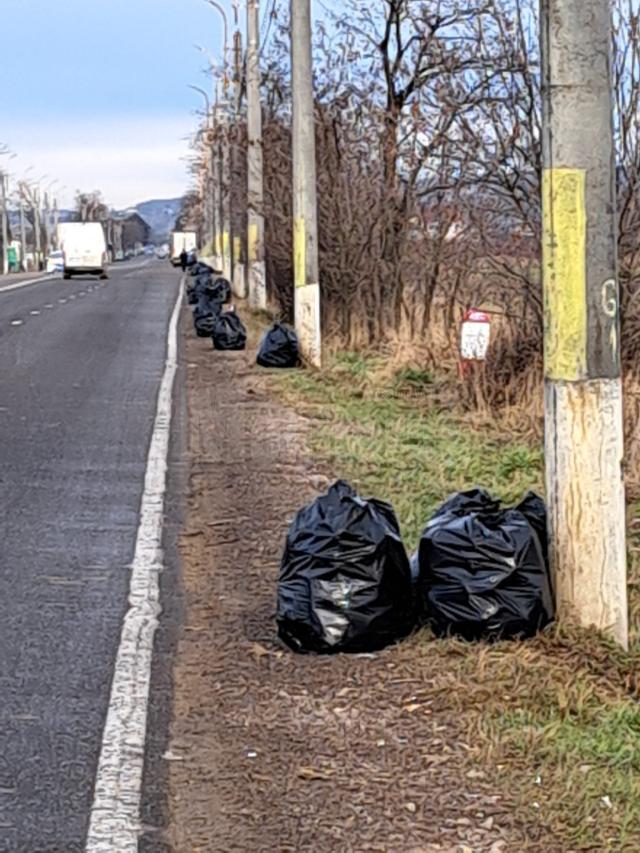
(582, 775)
(400, 448)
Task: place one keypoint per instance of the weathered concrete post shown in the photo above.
(256, 274)
(583, 389)
(305, 215)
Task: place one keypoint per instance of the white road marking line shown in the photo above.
(20, 284)
(72, 296)
(82, 293)
(17, 322)
(48, 305)
(34, 313)
(115, 812)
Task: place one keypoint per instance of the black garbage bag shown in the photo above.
(279, 347)
(205, 314)
(204, 325)
(198, 268)
(345, 582)
(482, 571)
(195, 291)
(229, 332)
(534, 510)
(207, 304)
(221, 289)
(199, 286)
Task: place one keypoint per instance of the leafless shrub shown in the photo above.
(428, 126)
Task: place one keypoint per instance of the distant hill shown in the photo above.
(161, 215)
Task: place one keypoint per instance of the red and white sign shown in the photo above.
(475, 335)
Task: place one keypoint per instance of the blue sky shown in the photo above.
(95, 91)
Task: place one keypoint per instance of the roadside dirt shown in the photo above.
(270, 751)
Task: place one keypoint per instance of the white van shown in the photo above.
(182, 240)
(84, 249)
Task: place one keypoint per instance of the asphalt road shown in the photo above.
(81, 362)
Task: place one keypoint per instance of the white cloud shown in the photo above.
(130, 160)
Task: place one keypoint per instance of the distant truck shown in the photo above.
(182, 241)
(84, 249)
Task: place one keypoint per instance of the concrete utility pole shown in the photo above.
(236, 215)
(256, 274)
(206, 176)
(222, 195)
(583, 389)
(305, 214)
(5, 224)
(225, 193)
(216, 190)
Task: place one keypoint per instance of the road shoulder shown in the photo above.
(272, 751)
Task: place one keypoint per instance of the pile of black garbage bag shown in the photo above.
(208, 293)
(346, 584)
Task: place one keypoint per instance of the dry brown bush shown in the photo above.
(428, 161)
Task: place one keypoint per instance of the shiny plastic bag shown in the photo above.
(279, 347)
(198, 268)
(205, 314)
(345, 582)
(198, 288)
(482, 571)
(220, 289)
(229, 332)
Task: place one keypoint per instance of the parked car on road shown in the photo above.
(55, 262)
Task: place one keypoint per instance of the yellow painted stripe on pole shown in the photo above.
(300, 252)
(225, 243)
(237, 249)
(564, 273)
(218, 245)
(252, 240)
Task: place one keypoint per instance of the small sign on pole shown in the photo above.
(475, 335)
